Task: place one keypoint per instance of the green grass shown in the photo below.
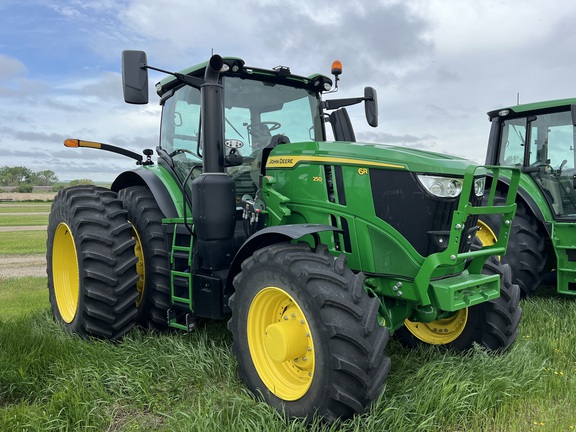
(29, 214)
(20, 296)
(23, 220)
(50, 380)
(24, 208)
(23, 242)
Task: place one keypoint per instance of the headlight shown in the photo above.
(443, 187)
(479, 185)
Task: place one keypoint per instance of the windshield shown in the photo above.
(550, 144)
(254, 112)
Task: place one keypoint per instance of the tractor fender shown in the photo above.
(153, 182)
(269, 236)
(525, 197)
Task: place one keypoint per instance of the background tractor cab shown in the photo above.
(540, 139)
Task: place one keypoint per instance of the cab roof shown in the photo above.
(535, 106)
(237, 67)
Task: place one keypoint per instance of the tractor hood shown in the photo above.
(368, 155)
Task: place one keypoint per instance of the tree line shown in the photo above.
(15, 176)
(23, 179)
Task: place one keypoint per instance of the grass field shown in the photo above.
(50, 380)
(176, 381)
(23, 214)
(23, 220)
(24, 207)
(23, 242)
(21, 296)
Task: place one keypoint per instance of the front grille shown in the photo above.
(422, 219)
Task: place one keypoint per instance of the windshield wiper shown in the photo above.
(232, 126)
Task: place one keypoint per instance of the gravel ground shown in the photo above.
(22, 228)
(11, 197)
(22, 265)
(13, 266)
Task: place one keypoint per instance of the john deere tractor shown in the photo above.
(538, 138)
(314, 250)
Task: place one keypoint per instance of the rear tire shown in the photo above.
(526, 253)
(306, 333)
(91, 264)
(492, 324)
(153, 260)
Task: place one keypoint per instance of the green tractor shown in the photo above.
(314, 250)
(540, 139)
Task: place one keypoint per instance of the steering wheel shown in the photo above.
(273, 126)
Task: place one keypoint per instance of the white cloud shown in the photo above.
(466, 26)
(11, 68)
(438, 66)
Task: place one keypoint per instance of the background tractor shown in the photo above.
(539, 138)
(314, 250)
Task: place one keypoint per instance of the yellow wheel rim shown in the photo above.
(442, 331)
(140, 267)
(280, 343)
(485, 234)
(65, 273)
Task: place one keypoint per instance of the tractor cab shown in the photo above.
(261, 109)
(540, 139)
(542, 143)
(257, 113)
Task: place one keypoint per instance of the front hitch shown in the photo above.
(471, 287)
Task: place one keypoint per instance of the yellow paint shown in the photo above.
(439, 332)
(280, 343)
(292, 161)
(65, 273)
(91, 144)
(485, 234)
(140, 267)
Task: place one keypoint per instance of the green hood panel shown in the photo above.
(367, 155)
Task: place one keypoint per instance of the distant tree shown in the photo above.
(513, 160)
(78, 182)
(44, 178)
(24, 188)
(13, 176)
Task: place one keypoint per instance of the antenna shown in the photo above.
(517, 98)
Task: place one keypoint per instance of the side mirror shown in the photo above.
(371, 106)
(573, 111)
(135, 77)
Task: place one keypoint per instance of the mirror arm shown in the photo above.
(339, 103)
(186, 79)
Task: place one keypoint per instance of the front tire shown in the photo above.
(493, 324)
(153, 261)
(91, 264)
(526, 253)
(306, 333)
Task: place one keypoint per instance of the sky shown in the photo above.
(438, 66)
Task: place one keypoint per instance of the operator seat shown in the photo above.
(260, 136)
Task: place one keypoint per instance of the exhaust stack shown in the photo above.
(214, 218)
